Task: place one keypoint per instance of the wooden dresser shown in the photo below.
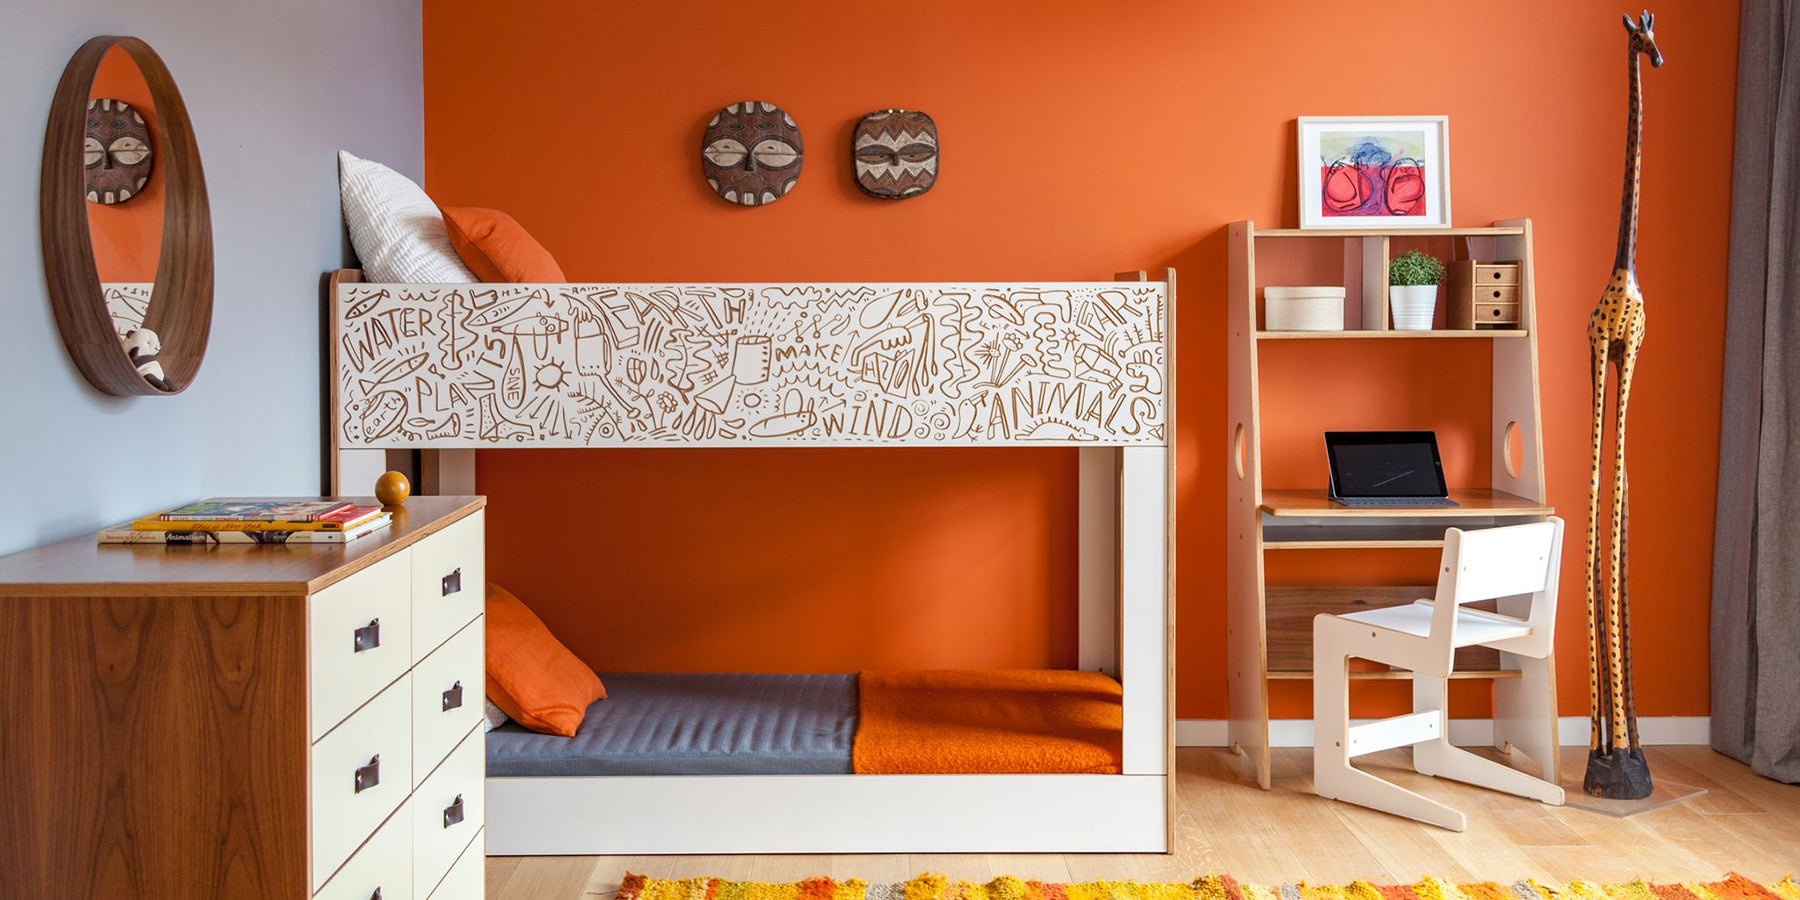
(247, 721)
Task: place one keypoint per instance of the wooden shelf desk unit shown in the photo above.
(1270, 628)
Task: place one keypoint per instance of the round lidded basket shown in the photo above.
(1306, 308)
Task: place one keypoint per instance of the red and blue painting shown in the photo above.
(1372, 173)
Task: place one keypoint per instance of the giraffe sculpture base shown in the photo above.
(1618, 775)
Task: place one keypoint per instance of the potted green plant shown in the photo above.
(1413, 279)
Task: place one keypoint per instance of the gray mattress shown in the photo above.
(694, 725)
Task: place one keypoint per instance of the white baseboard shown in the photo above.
(1573, 730)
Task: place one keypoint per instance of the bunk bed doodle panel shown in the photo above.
(606, 365)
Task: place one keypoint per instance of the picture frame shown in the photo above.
(1376, 173)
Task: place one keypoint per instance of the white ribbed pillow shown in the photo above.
(397, 231)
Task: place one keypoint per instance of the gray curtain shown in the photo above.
(1756, 552)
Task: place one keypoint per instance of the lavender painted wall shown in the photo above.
(274, 91)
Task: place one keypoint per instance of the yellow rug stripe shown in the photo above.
(936, 886)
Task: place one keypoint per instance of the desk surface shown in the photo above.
(1474, 502)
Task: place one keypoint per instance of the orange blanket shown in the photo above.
(988, 721)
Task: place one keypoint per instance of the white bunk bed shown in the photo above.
(447, 369)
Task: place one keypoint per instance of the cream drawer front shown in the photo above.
(449, 580)
(384, 865)
(359, 639)
(448, 810)
(468, 878)
(447, 690)
(360, 773)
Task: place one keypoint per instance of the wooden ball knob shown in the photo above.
(392, 489)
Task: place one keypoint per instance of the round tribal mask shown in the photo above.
(895, 153)
(116, 151)
(751, 153)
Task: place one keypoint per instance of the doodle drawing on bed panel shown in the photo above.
(609, 365)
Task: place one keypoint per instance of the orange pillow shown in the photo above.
(497, 248)
(531, 676)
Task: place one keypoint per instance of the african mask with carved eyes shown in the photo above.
(751, 153)
(116, 151)
(895, 153)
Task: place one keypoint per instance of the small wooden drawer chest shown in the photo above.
(247, 721)
(1482, 295)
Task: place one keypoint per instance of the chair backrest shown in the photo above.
(1505, 562)
(1495, 563)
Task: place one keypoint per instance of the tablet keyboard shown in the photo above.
(1376, 502)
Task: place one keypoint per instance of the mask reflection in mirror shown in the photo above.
(116, 151)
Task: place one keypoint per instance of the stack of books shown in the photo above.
(253, 520)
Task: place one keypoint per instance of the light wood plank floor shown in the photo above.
(1745, 823)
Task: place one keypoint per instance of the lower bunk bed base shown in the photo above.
(679, 814)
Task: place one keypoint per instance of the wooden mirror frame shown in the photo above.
(180, 309)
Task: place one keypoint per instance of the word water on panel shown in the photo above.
(630, 364)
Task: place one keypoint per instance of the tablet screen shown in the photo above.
(1385, 464)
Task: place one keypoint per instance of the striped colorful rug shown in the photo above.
(932, 886)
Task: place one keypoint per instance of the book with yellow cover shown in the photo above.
(127, 535)
(337, 521)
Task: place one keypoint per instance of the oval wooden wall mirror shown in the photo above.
(126, 228)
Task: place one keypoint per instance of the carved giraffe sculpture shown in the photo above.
(1616, 766)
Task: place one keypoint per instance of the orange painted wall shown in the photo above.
(127, 236)
(1079, 138)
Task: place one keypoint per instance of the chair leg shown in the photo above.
(1431, 693)
(1458, 764)
(1331, 709)
(1333, 776)
(1525, 712)
(1353, 785)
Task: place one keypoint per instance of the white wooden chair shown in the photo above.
(1518, 561)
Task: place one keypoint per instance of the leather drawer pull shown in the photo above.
(453, 814)
(453, 582)
(453, 697)
(370, 775)
(368, 637)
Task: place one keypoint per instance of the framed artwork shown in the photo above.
(1375, 173)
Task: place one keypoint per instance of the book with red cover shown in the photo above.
(349, 517)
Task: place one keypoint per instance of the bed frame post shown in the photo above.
(447, 472)
(1145, 579)
(348, 471)
(1097, 570)
(1143, 621)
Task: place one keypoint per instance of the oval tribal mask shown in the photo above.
(751, 153)
(895, 153)
(116, 151)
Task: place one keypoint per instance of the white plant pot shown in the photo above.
(1414, 306)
